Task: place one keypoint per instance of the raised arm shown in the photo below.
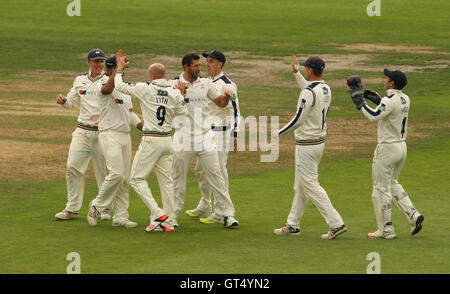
(108, 88)
(135, 90)
(301, 82)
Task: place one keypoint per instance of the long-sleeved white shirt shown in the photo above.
(114, 111)
(160, 102)
(197, 96)
(309, 122)
(392, 116)
(229, 116)
(301, 81)
(85, 92)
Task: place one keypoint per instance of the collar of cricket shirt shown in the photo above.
(393, 91)
(217, 77)
(160, 83)
(185, 81)
(318, 81)
(94, 79)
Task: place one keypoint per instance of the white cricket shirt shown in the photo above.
(114, 111)
(309, 121)
(392, 116)
(199, 93)
(228, 116)
(85, 92)
(160, 102)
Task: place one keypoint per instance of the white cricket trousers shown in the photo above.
(306, 185)
(388, 161)
(84, 145)
(154, 154)
(114, 192)
(222, 139)
(210, 163)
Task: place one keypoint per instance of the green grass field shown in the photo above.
(44, 49)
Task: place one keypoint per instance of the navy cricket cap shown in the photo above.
(215, 54)
(111, 62)
(96, 54)
(314, 62)
(398, 77)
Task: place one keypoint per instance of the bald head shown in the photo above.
(156, 71)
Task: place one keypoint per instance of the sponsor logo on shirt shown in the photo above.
(118, 101)
(85, 92)
(196, 99)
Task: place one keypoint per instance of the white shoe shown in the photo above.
(161, 228)
(93, 215)
(66, 214)
(156, 223)
(287, 230)
(106, 215)
(416, 222)
(126, 224)
(376, 234)
(382, 235)
(333, 233)
(230, 221)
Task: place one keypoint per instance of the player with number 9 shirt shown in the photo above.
(160, 103)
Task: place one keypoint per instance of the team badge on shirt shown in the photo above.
(303, 105)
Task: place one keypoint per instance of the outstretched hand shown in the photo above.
(122, 61)
(295, 66)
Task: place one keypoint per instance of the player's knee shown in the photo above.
(73, 170)
(310, 184)
(134, 181)
(116, 177)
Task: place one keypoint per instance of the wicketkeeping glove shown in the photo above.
(358, 99)
(354, 83)
(372, 96)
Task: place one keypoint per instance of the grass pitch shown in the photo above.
(44, 49)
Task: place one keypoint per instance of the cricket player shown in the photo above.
(160, 102)
(115, 141)
(309, 129)
(224, 129)
(134, 121)
(391, 114)
(84, 145)
(201, 139)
